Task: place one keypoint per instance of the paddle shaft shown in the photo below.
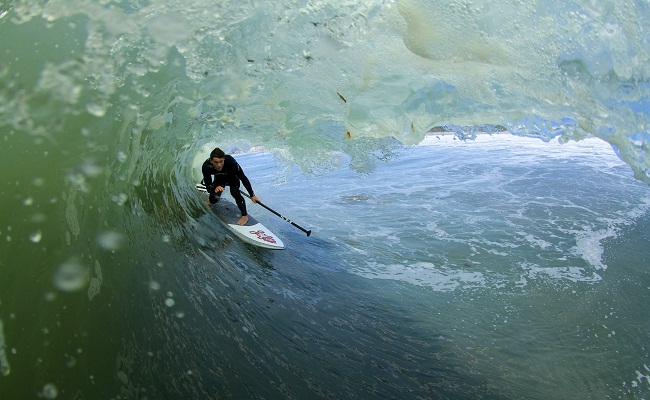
(308, 232)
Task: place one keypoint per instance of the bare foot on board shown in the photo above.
(243, 220)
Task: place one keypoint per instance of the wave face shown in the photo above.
(114, 280)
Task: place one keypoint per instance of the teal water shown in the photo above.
(497, 267)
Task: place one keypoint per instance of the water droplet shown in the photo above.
(110, 240)
(38, 218)
(50, 391)
(71, 276)
(96, 109)
(120, 199)
(36, 237)
(122, 377)
(94, 288)
(169, 302)
(70, 361)
(91, 169)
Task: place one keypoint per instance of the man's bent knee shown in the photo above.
(214, 199)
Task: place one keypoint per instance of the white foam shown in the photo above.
(423, 274)
(571, 273)
(537, 242)
(589, 243)
(589, 246)
(554, 148)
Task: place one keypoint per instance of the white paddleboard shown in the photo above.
(252, 233)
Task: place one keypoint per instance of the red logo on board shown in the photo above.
(263, 236)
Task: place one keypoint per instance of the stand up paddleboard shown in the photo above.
(252, 233)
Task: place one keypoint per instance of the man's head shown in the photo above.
(217, 158)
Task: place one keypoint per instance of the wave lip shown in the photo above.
(390, 70)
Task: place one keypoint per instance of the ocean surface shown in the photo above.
(475, 175)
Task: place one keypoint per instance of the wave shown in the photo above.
(311, 80)
(106, 109)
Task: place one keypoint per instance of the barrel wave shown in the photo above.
(116, 280)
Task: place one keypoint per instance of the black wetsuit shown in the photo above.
(230, 175)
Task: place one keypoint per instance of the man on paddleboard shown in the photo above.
(226, 172)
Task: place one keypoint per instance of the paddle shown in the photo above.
(308, 232)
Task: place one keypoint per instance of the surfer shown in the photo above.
(226, 172)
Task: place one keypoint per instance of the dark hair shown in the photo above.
(217, 153)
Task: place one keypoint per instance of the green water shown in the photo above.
(508, 272)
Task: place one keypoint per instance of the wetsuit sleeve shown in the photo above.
(207, 178)
(244, 180)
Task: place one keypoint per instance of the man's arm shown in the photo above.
(247, 184)
(207, 179)
(244, 180)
